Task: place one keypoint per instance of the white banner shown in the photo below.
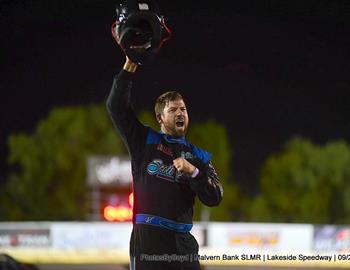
(97, 235)
(260, 237)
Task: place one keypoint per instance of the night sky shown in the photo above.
(267, 70)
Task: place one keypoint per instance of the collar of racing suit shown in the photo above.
(173, 139)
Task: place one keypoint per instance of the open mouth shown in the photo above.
(179, 123)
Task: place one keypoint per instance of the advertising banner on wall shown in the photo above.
(334, 239)
(94, 235)
(23, 238)
(253, 237)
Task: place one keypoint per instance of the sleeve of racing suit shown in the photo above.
(122, 113)
(207, 185)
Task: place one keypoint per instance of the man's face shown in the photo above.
(174, 119)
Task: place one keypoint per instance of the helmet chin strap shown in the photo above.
(164, 38)
(114, 33)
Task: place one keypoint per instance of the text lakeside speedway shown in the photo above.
(300, 257)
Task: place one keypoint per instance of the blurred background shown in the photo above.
(267, 88)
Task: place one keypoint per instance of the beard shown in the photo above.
(181, 131)
(176, 130)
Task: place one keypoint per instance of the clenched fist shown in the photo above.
(182, 165)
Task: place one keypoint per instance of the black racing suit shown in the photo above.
(159, 189)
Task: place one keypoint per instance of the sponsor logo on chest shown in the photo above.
(161, 170)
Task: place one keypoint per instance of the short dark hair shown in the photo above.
(164, 99)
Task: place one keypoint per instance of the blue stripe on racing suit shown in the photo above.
(162, 222)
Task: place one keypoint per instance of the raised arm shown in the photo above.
(121, 111)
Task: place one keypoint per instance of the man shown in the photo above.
(168, 172)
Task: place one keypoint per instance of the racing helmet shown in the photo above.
(139, 30)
